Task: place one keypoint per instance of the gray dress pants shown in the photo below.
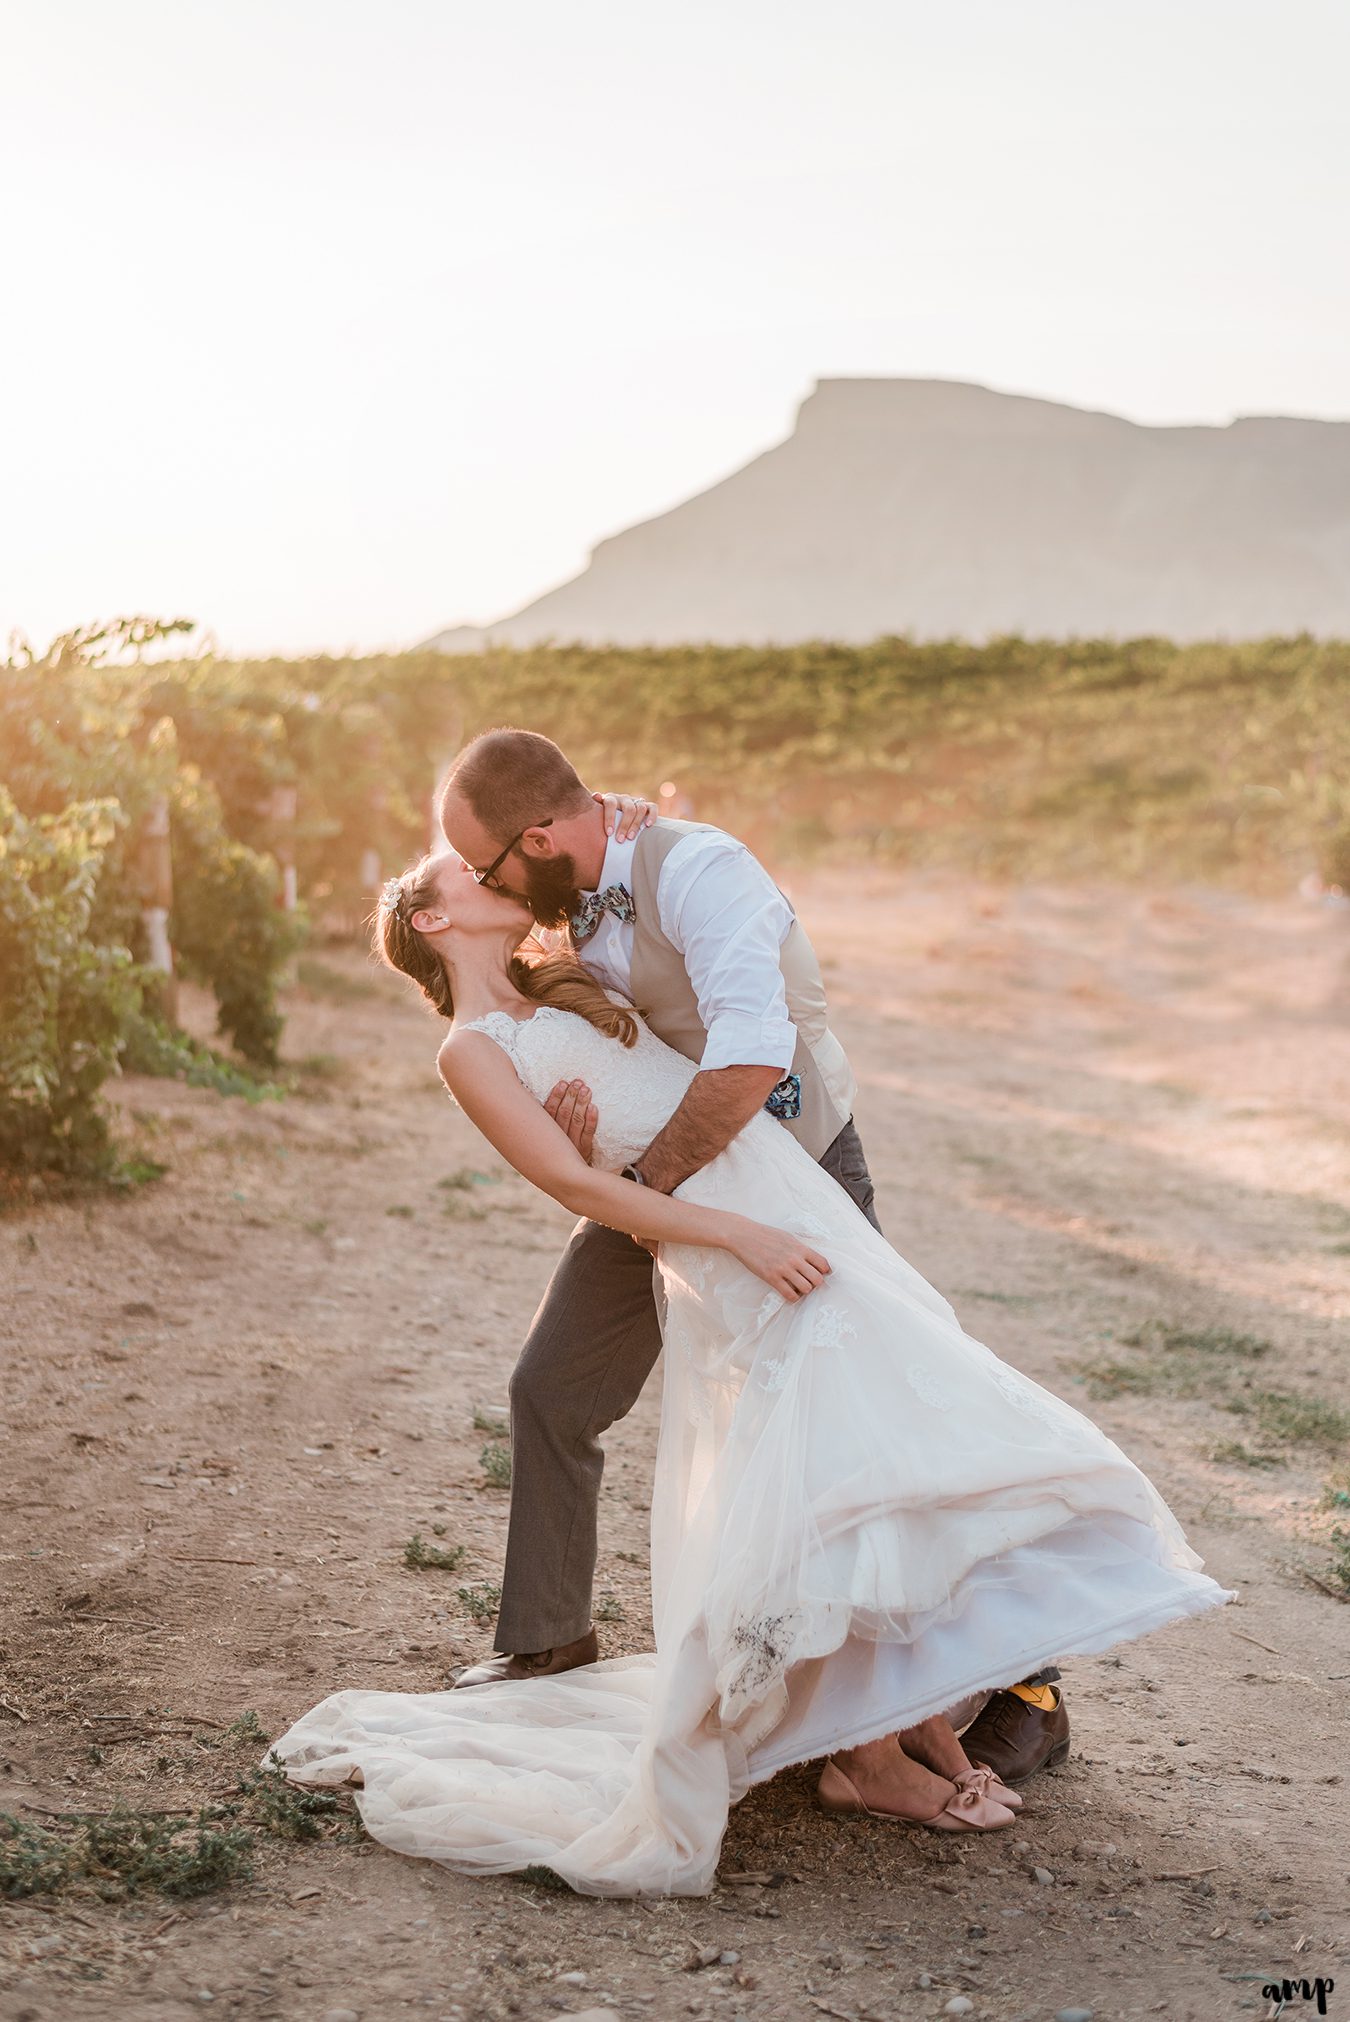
(591, 1347)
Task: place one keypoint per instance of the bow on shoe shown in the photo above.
(975, 1807)
(980, 1781)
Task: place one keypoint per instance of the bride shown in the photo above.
(861, 1519)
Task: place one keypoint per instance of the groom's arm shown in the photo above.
(719, 1102)
(724, 913)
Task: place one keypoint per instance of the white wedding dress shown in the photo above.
(861, 1517)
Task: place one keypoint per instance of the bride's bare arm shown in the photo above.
(489, 1091)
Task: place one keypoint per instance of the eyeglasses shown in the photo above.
(487, 876)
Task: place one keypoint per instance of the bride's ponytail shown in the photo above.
(561, 979)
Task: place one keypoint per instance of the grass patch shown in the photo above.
(422, 1557)
(130, 1173)
(1232, 1453)
(609, 1608)
(123, 1853)
(404, 1213)
(152, 1047)
(996, 1298)
(1286, 1419)
(1338, 1570)
(1181, 1362)
(1215, 1364)
(458, 1191)
(126, 1851)
(487, 1421)
(495, 1461)
(1118, 1379)
(480, 1602)
(1157, 1335)
(319, 1067)
(1336, 1490)
(460, 1209)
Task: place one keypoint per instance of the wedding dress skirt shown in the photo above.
(861, 1517)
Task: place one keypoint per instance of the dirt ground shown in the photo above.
(230, 1399)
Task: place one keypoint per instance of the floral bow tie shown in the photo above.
(614, 899)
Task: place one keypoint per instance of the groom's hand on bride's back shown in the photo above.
(569, 1104)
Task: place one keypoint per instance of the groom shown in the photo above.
(684, 921)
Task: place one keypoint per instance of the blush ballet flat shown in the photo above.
(971, 1809)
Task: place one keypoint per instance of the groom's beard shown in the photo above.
(551, 889)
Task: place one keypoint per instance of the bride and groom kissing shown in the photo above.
(871, 1538)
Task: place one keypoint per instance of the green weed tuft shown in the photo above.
(246, 1728)
(495, 1462)
(540, 1877)
(1338, 1572)
(481, 1602)
(421, 1556)
(286, 1810)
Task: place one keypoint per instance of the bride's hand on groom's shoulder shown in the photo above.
(626, 814)
(787, 1264)
(569, 1104)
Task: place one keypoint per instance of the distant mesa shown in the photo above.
(938, 509)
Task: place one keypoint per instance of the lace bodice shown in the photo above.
(636, 1089)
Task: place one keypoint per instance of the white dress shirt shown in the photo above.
(723, 912)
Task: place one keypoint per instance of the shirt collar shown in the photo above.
(617, 868)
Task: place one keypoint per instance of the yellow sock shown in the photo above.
(1045, 1697)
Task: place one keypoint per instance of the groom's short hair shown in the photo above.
(513, 779)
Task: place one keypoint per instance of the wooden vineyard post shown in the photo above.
(370, 874)
(157, 902)
(281, 811)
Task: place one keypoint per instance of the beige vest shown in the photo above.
(663, 992)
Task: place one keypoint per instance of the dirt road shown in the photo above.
(1113, 1128)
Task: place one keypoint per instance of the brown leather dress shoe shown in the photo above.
(532, 1664)
(1016, 1739)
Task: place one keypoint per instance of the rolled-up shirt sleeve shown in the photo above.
(724, 913)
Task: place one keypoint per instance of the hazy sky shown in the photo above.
(330, 324)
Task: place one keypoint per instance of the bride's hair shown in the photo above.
(548, 979)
